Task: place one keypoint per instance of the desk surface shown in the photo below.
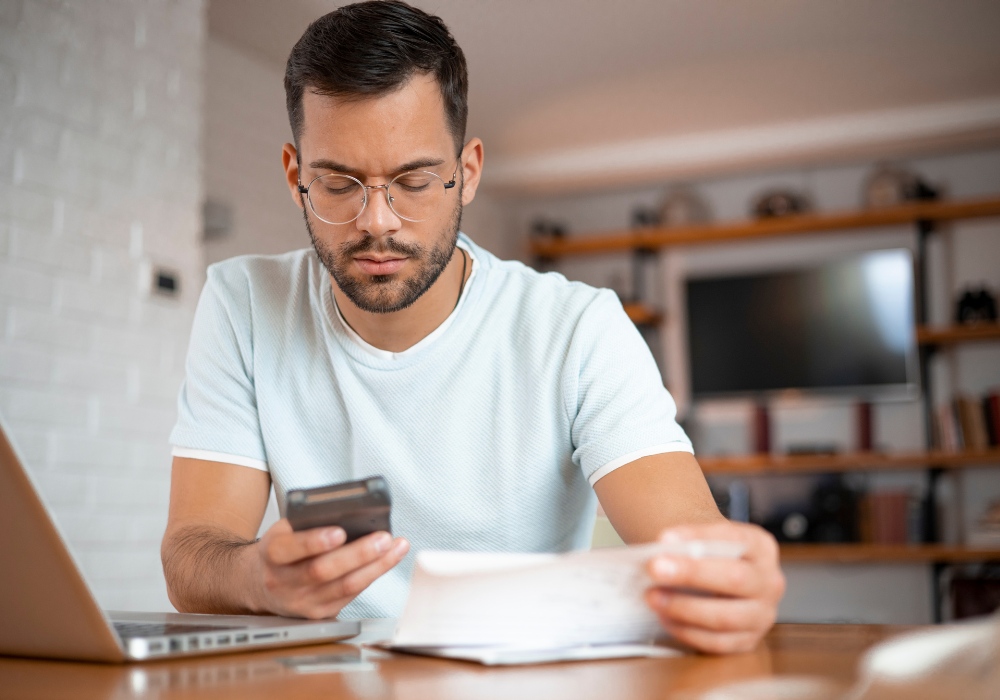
(827, 653)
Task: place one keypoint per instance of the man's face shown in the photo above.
(381, 262)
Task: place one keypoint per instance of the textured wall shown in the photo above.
(245, 127)
(100, 181)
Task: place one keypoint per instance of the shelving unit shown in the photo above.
(655, 238)
(881, 553)
(954, 335)
(747, 465)
(643, 242)
(641, 313)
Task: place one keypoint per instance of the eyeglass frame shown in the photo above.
(305, 190)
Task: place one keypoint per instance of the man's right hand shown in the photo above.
(213, 564)
(313, 574)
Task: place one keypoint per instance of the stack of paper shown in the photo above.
(525, 608)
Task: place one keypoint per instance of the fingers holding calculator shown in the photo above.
(315, 573)
(334, 543)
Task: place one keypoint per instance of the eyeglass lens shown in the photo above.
(414, 196)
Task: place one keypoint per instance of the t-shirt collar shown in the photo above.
(424, 342)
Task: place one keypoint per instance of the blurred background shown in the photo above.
(141, 141)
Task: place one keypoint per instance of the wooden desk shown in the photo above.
(827, 652)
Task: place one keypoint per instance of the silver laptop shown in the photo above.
(47, 609)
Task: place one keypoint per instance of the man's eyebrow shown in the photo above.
(418, 164)
(325, 164)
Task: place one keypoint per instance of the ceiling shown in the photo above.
(555, 78)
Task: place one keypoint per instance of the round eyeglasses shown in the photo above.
(415, 196)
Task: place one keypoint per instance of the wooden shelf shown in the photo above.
(951, 335)
(855, 461)
(783, 226)
(866, 553)
(642, 315)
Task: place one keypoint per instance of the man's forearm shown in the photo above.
(211, 570)
(646, 496)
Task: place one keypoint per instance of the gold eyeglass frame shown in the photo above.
(305, 190)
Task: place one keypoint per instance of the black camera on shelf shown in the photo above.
(976, 305)
(830, 516)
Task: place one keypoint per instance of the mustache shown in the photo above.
(370, 244)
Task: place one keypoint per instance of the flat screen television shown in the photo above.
(841, 326)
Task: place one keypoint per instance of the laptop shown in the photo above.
(47, 609)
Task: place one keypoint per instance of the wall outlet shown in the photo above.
(159, 280)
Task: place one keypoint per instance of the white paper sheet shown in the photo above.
(533, 602)
(506, 656)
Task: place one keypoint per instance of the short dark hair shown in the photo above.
(370, 49)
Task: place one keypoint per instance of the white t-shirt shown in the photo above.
(490, 431)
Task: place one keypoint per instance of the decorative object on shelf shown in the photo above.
(542, 228)
(795, 526)
(892, 184)
(739, 501)
(834, 512)
(644, 217)
(733, 501)
(776, 203)
(863, 416)
(830, 515)
(683, 206)
(986, 532)
(789, 525)
(761, 429)
(976, 305)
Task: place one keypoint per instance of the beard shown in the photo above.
(385, 294)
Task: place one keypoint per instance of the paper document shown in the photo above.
(507, 656)
(507, 602)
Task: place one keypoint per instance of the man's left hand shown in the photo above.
(739, 597)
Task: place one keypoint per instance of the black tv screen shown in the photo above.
(843, 325)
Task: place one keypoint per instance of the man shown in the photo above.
(497, 401)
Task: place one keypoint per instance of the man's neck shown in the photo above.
(401, 330)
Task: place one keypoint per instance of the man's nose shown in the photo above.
(378, 218)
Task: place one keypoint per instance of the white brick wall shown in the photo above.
(100, 178)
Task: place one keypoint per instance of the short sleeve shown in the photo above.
(619, 409)
(217, 406)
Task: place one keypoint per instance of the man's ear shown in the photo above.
(471, 163)
(290, 160)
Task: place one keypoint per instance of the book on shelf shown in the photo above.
(888, 517)
(947, 435)
(968, 423)
(991, 407)
(970, 412)
(986, 532)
